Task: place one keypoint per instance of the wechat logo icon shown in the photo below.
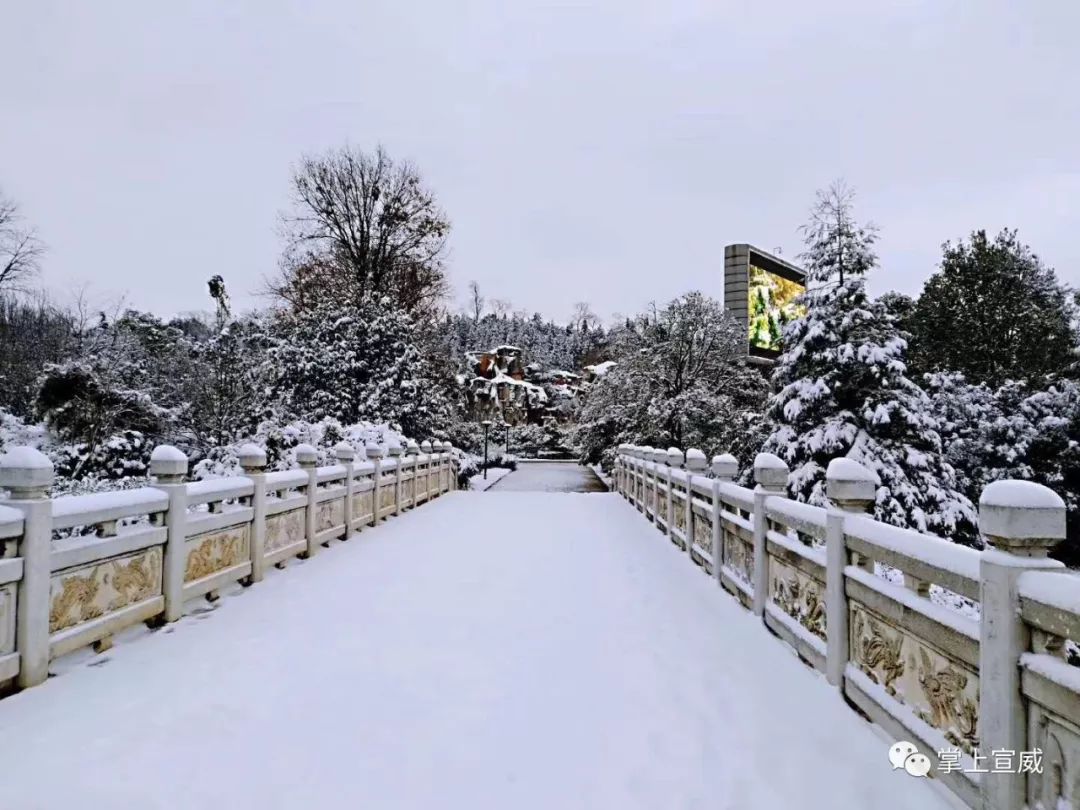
(904, 754)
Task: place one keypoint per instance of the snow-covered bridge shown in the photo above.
(489, 649)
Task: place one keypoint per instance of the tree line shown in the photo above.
(356, 331)
(973, 380)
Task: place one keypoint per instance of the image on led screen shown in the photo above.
(772, 305)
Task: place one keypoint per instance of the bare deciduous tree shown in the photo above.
(501, 307)
(476, 302)
(363, 226)
(20, 249)
(584, 317)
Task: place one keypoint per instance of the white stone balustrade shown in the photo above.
(74, 570)
(947, 646)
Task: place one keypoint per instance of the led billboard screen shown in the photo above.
(771, 301)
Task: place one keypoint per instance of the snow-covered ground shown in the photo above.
(478, 483)
(567, 656)
(551, 476)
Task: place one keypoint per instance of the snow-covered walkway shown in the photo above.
(550, 476)
(489, 650)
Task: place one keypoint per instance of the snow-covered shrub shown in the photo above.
(353, 364)
(280, 442)
(123, 455)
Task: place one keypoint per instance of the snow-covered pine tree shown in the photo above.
(841, 387)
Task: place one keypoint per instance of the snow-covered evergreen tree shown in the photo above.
(841, 387)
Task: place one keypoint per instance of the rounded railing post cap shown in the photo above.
(847, 482)
(343, 451)
(696, 461)
(252, 457)
(306, 454)
(166, 461)
(25, 468)
(770, 471)
(394, 448)
(425, 446)
(725, 465)
(411, 447)
(675, 457)
(1022, 517)
(374, 450)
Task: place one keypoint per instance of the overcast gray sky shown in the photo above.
(584, 151)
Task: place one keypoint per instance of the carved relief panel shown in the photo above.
(739, 557)
(284, 529)
(942, 692)
(215, 551)
(1059, 783)
(799, 595)
(81, 594)
(330, 514)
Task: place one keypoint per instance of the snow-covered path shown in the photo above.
(550, 476)
(489, 650)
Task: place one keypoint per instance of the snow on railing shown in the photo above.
(957, 650)
(81, 568)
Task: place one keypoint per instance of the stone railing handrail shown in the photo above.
(944, 645)
(138, 555)
(285, 479)
(69, 511)
(216, 489)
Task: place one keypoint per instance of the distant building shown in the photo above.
(504, 389)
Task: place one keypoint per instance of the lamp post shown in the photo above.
(507, 438)
(487, 425)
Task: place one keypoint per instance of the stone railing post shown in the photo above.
(696, 464)
(169, 467)
(28, 474)
(621, 459)
(412, 451)
(444, 467)
(649, 482)
(446, 482)
(374, 453)
(852, 489)
(639, 465)
(396, 452)
(426, 448)
(626, 459)
(346, 455)
(1022, 521)
(674, 461)
(253, 461)
(770, 474)
(725, 468)
(307, 457)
